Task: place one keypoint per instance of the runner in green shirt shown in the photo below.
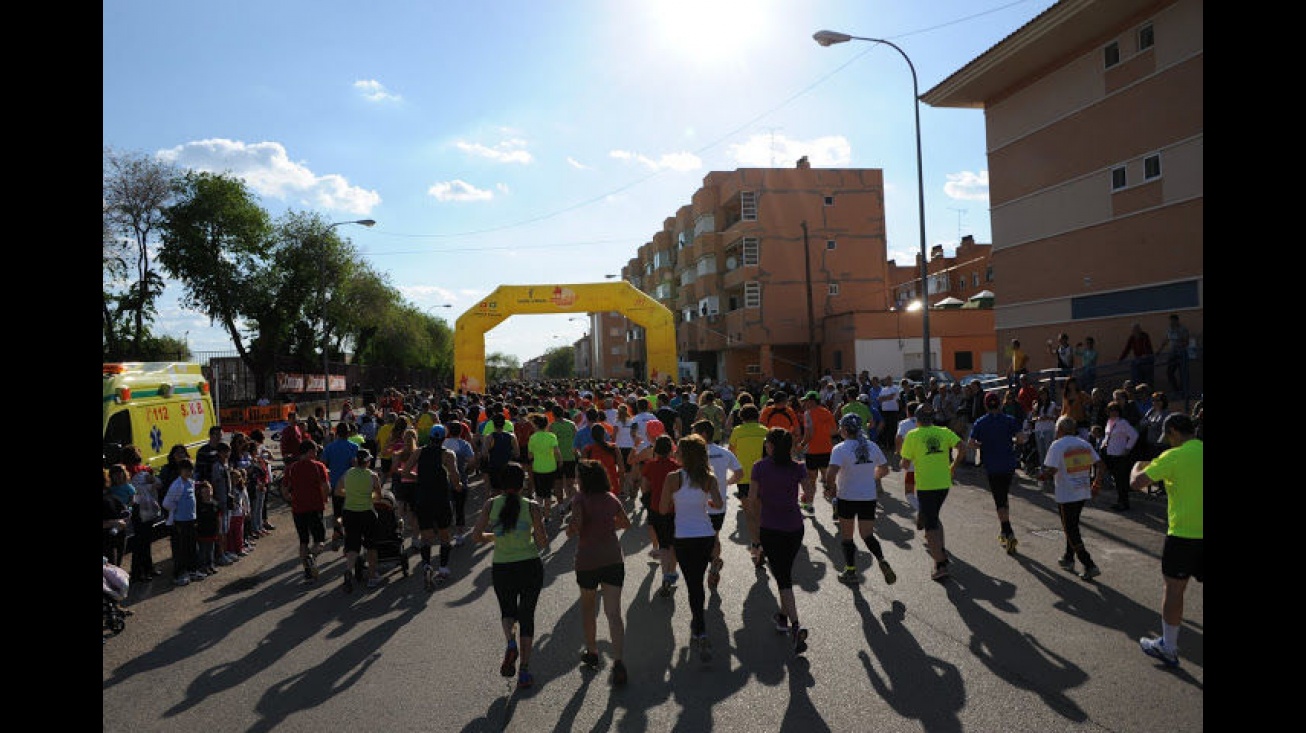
(1180, 468)
(929, 448)
(565, 429)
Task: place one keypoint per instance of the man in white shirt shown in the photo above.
(727, 469)
(890, 409)
(1069, 462)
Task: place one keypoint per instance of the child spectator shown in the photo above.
(207, 530)
(180, 503)
(239, 508)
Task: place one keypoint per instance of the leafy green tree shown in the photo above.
(560, 363)
(136, 188)
(216, 242)
(500, 367)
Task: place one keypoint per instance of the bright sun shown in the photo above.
(710, 31)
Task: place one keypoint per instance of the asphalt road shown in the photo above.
(1009, 643)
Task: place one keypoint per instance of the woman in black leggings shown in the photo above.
(515, 525)
(772, 506)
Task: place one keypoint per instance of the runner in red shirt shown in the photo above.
(309, 486)
(661, 527)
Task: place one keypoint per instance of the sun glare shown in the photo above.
(710, 31)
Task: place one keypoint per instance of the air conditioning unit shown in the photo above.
(753, 369)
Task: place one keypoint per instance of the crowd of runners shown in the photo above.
(592, 458)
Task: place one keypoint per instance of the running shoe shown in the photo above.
(1067, 563)
(374, 581)
(196, 576)
(525, 679)
(940, 572)
(181, 580)
(807, 507)
(781, 623)
(1090, 572)
(668, 585)
(890, 577)
(1010, 543)
(310, 569)
(428, 575)
(619, 675)
(349, 581)
(704, 645)
(1157, 648)
(589, 659)
(509, 666)
(849, 576)
(442, 574)
(800, 638)
(458, 540)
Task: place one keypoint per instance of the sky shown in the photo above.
(524, 142)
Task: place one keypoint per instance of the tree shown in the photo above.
(560, 363)
(216, 243)
(500, 367)
(136, 188)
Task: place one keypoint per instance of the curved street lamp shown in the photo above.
(828, 38)
(326, 369)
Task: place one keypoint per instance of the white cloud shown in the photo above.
(457, 190)
(425, 296)
(680, 162)
(968, 186)
(763, 151)
(375, 91)
(503, 187)
(267, 169)
(577, 164)
(508, 151)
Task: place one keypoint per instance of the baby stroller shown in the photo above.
(115, 584)
(389, 543)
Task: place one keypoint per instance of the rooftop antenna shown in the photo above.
(960, 213)
(772, 131)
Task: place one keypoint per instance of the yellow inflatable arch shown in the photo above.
(511, 300)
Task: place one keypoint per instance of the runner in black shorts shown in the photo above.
(437, 476)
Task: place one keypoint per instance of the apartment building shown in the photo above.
(1093, 119)
(603, 352)
(782, 272)
(966, 273)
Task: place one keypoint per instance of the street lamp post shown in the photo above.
(326, 369)
(827, 38)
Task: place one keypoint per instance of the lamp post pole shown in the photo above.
(827, 38)
(326, 369)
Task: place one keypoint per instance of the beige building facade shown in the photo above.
(1093, 115)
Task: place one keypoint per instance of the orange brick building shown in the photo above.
(782, 272)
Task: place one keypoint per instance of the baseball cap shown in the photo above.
(438, 432)
(992, 400)
(812, 395)
(851, 421)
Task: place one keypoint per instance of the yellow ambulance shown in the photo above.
(155, 405)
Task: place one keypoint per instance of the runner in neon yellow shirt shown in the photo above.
(1182, 557)
(929, 448)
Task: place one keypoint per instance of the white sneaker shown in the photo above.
(1157, 648)
(181, 580)
(196, 575)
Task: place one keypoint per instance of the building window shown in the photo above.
(829, 201)
(747, 206)
(974, 279)
(752, 294)
(751, 251)
(1118, 179)
(1112, 54)
(1152, 167)
(988, 274)
(829, 244)
(838, 360)
(617, 350)
(1145, 37)
(833, 289)
(963, 361)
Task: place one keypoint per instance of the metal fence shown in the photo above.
(235, 385)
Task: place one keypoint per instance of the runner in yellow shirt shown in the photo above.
(929, 448)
